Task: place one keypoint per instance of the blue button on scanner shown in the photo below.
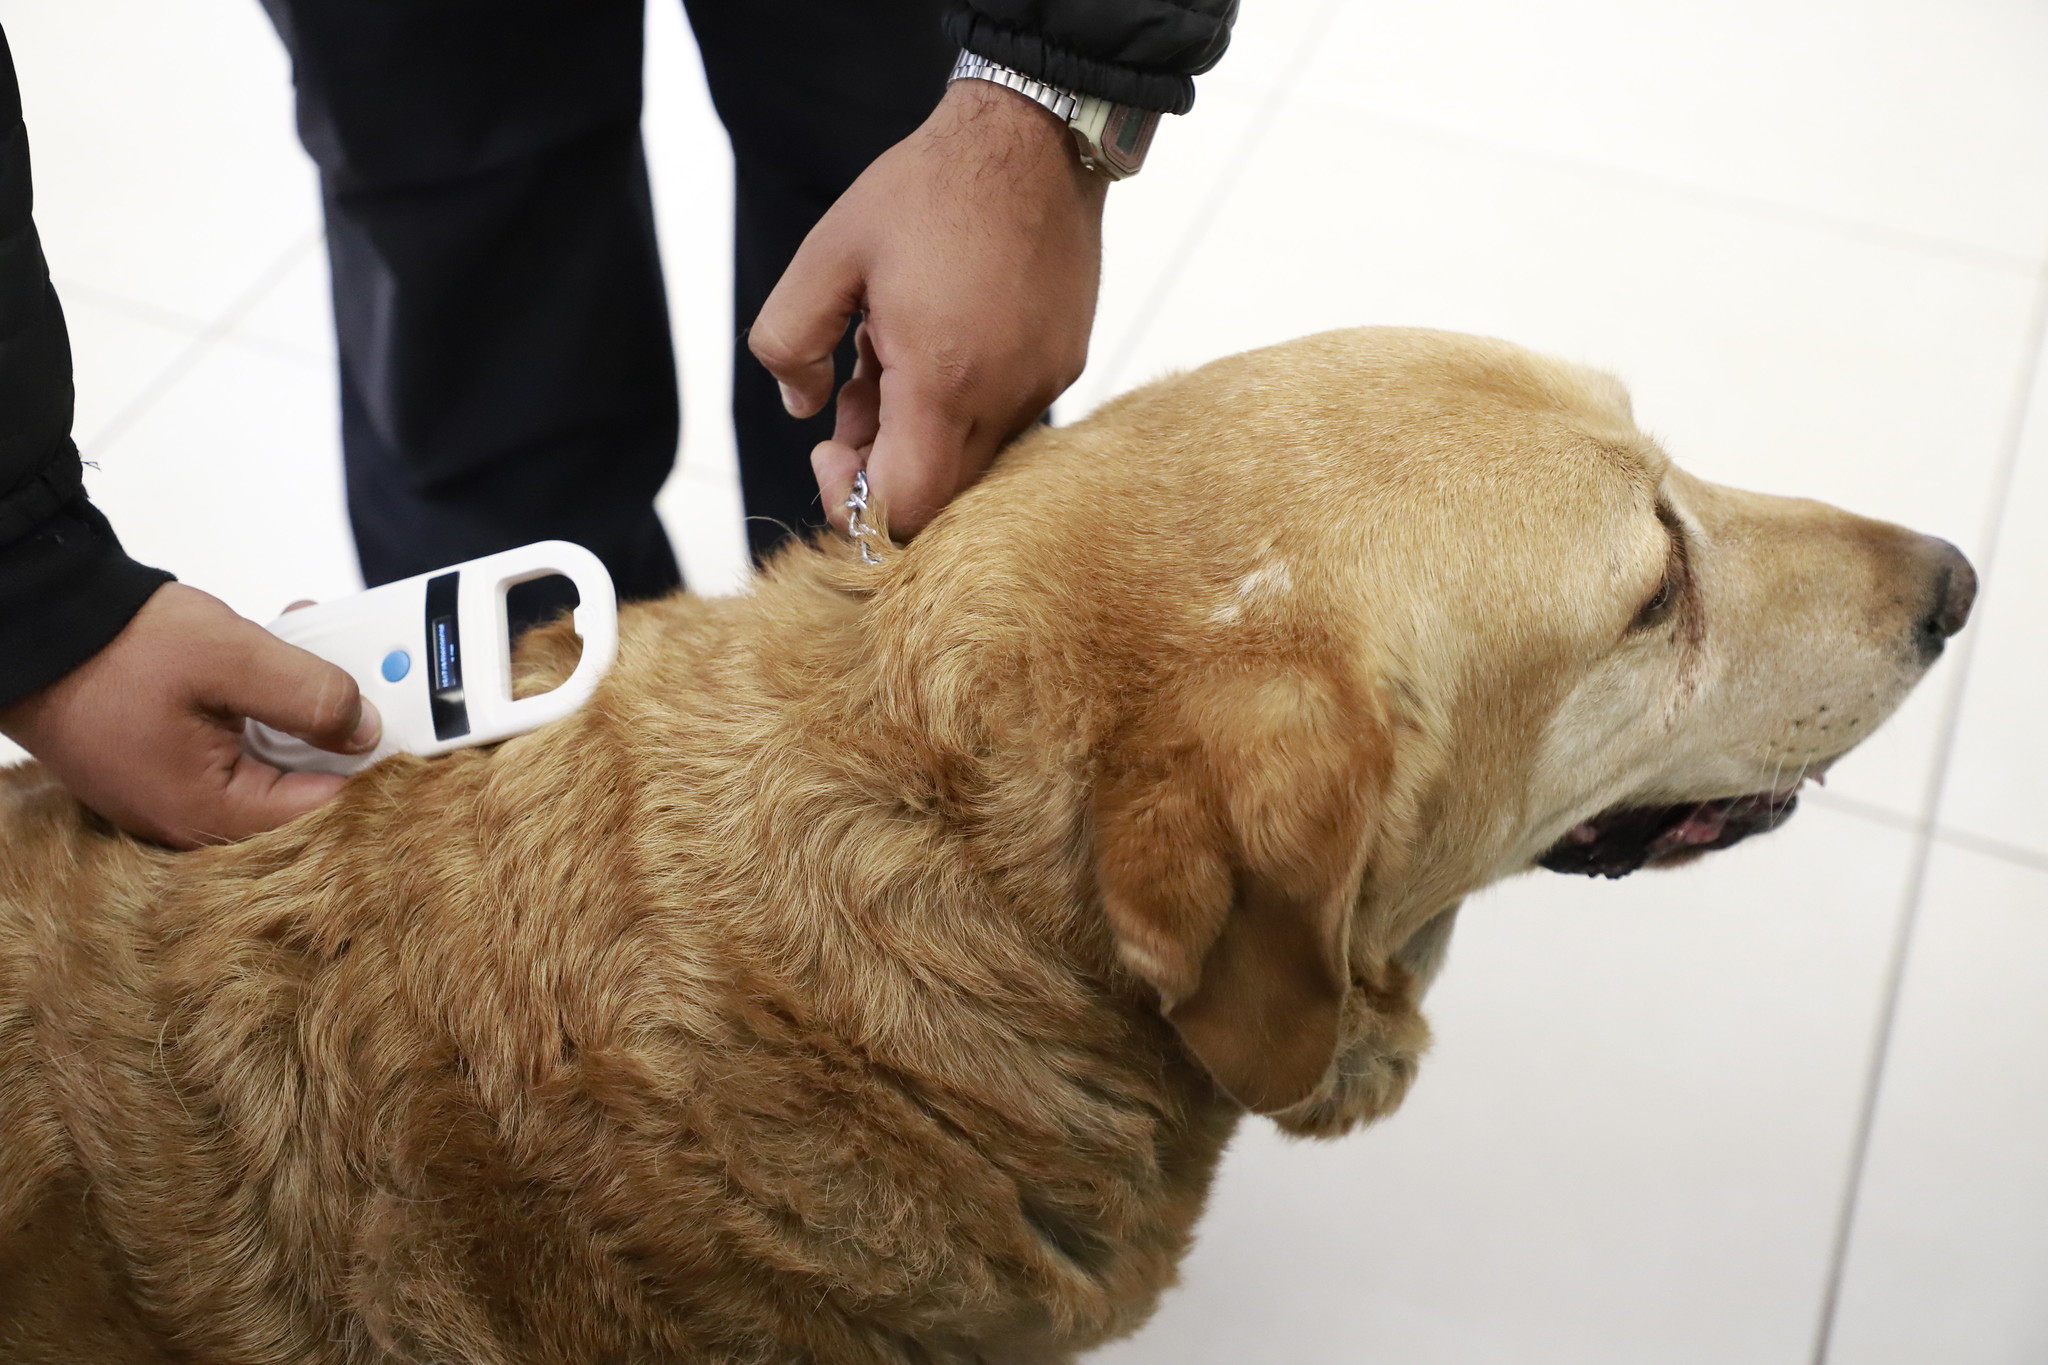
(397, 664)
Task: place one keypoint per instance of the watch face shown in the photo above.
(1129, 136)
(1126, 138)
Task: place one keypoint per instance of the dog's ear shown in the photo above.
(1232, 819)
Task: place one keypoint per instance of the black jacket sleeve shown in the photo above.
(1142, 52)
(66, 587)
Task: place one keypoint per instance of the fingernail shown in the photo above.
(792, 401)
(369, 730)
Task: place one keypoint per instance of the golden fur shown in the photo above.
(875, 970)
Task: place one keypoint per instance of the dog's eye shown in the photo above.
(1671, 587)
(1658, 609)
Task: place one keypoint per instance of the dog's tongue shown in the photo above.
(1702, 826)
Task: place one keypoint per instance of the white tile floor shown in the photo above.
(1787, 1106)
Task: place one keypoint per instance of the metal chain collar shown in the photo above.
(857, 524)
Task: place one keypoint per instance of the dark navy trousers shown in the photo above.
(506, 368)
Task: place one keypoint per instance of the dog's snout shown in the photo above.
(1954, 593)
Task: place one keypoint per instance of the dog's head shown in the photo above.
(1359, 624)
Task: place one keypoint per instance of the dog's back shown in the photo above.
(664, 1033)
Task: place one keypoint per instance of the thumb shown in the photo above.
(298, 693)
(801, 323)
(258, 797)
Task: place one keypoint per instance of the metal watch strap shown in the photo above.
(1112, 138)
(1062, 103)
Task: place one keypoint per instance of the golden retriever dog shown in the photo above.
(876, 968)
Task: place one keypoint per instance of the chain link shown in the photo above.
(856, 521)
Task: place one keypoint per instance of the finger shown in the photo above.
(856, 420)
(835, 464)
(299, 605)
(258, 797)
(921, 453)
(298, 693)
(857, 415)
(801, 323)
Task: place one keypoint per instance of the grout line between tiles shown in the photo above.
(1234, 166)
(1944, 834)
(2025, 395)
(68, 289)
(1993, 848)
(1824, 799)
(212, 332)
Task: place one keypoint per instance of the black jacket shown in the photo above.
(1142, 52)
(66, 586)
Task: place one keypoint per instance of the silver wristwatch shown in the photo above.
(1113, 138)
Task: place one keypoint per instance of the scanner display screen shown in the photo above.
(447, 657)
(444, 657)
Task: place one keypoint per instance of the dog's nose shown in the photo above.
(1955, 591)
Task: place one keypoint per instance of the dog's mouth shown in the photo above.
(1616, 842)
